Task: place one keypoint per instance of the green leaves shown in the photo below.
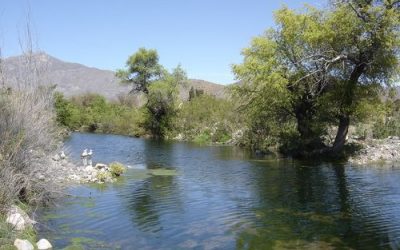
(142, 69)
(317, 66)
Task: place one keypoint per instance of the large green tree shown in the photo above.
(162, 102)
(160, 87)
(318, 66)
(142, 69)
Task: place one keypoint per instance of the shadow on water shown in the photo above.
(313, 207)
(225, 198)
(145, 198)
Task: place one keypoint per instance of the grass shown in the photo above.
(7, 235)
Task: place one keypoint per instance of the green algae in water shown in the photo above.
(74, 247)
(82, 240)
(88, 243)
(163, 172)
(144, 174)
(139, 174)
(51, 216)
(89, 204)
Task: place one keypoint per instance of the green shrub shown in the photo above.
(117, 168)
(94, 113)
(206, 119)
(203, 138)
(103, 176)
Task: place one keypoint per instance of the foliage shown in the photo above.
(142, 69)
(318, 68)
(206, 119)
(193, 92)
(102, 176)
(159, 86)
(27, 130)
(117, 168)
(94, 113)
(162, 103)
(387, 123)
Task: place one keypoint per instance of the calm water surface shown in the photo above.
(223, 198)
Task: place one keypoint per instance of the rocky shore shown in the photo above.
(63, 172)
(66, 172)
(373, 151)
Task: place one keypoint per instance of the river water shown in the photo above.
(223, 198)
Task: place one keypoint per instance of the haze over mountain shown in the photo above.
(74, 79)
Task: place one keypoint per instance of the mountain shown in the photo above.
(75, 79)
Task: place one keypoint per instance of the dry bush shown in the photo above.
(28, 135)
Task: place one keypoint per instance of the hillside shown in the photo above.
(75, 79)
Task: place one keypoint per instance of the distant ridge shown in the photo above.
(75, 79)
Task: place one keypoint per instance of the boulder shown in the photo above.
(23, 245)
(56, 157)
(18, 218)
(43, 244)
(17, 221)
(89, 168)
(100, 166)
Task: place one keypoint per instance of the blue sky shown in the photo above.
(205, 36)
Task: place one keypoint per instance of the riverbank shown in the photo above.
(374, 151)
(17, 229)
(369, 151)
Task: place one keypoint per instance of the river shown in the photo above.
(222, 198)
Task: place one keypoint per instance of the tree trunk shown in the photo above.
(348, 98)
(303, 126)
(340, 139)
(304, 115)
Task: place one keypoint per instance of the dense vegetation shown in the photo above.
(93, 112)
(318, 69)
(28, 139)
(302, 86)
(204, 118)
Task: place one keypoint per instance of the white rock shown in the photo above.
(23, 245)
(89, 169)
(40, 177)
(17, 221)
(43, 244)
(100, 166)
(56, 157)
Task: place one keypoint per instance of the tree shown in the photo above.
(162, 102)
(159, 86)
(142, 69)
(369, 51)
(318, 66)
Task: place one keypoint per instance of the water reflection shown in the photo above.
(146, 199)
(312, 207)
(226, 198)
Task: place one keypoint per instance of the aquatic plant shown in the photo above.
(117, 168)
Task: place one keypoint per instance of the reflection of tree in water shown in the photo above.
(305, 207)
(148, 199)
